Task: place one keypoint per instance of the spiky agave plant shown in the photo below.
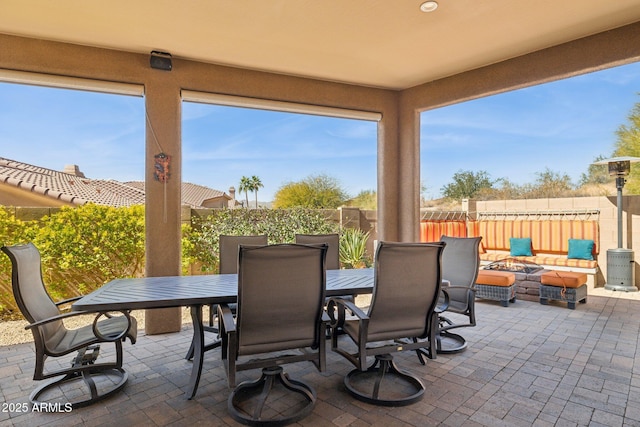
(353, 248)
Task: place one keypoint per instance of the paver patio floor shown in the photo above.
(526, 364)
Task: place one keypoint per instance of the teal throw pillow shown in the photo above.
(520, 246)
(580, 249)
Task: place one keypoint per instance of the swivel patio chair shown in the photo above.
(333, 249)
(333, 253)
(405, 294)
(229, 248)
(53, 339)
(279, 320)
(460, 263)
(228, 264)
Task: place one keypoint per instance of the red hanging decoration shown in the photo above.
(162, 162)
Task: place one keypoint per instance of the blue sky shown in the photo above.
(562, 126)
(221, 144)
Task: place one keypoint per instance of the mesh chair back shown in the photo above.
(407, 283)
(333, 250)
(280, 297)
(31, 295)
(229, 250)
(460, 263)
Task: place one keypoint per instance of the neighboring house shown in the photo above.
(22, 184)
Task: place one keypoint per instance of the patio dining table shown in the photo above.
(195, 292)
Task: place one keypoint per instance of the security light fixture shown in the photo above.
(428, 6)
(160, 60)
(620, 263)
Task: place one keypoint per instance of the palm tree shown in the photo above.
(256, 184)
(246, 185)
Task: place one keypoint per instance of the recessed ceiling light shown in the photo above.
(429, 6)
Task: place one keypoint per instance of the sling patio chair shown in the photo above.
(228, 264)
(460, 264)
(333, 253)
(279, 320)
(406, 288)
(333, 248)
(85, 381)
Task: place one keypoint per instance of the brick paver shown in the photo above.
(526, 364)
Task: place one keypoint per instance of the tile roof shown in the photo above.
(196, 195)
(78, 190)
(193, 195)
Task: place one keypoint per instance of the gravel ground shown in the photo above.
(14, 332)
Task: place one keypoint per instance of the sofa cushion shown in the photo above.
(567, 279)
(580, 249)
(495, 278)
(520, 246)
(544, 260)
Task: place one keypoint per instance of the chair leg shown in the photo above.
(83, 368)
(214, 344)
(261, 389)
(421, 352)
(382, 368)
(448, 342)
(434, 341)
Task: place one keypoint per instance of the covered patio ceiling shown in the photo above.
(388, 44)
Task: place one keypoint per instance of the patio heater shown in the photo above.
(620, 263)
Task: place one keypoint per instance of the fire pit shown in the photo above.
(527, 276)
(514, 265)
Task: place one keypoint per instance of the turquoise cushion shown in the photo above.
(520, 246)
(580, 249)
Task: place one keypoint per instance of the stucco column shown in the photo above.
(409, 172)
(163, 198)
(388, 177)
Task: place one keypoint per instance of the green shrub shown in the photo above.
(84, 247)
(91, 245)
(12, 231)
(200, 241)
(81, 248)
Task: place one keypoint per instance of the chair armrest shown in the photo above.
(458, 287)
(350, 305)
(96, 332)
(471, 291)
(225, 315)
(56, 318)
(341, 305)
(445, 305)
(120, 336)
(466, 288)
